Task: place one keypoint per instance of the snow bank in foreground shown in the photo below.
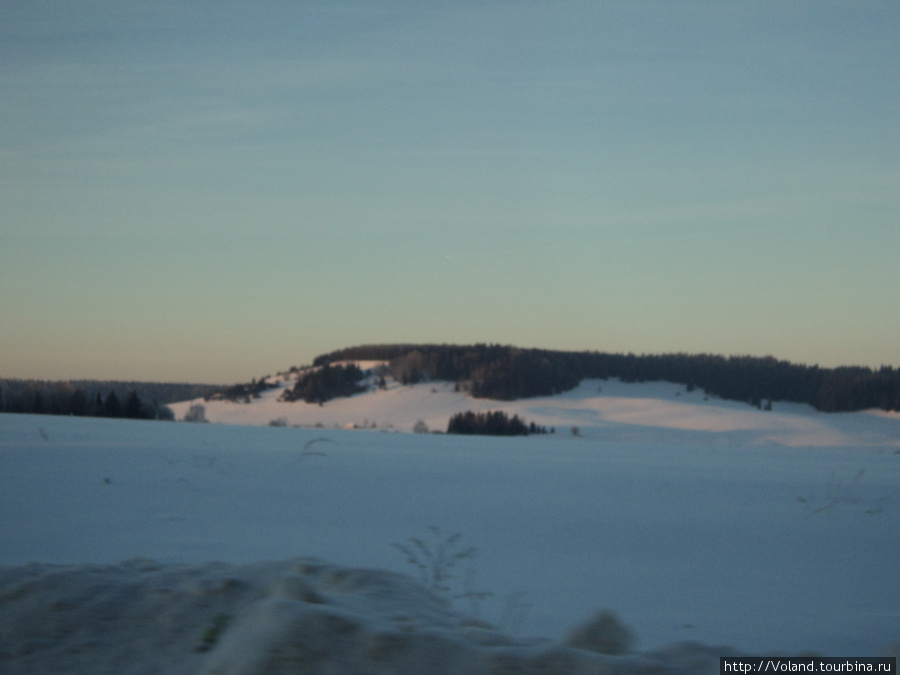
(267, 618)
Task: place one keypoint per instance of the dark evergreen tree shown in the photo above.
(78, 403)
(133, 408)
(111, 406)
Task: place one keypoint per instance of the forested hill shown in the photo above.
(508, 373)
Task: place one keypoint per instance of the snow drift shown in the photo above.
(294, 616)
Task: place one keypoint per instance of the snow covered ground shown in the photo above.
(605, 409)
(693, 519)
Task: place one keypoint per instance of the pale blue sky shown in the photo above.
(212, 191)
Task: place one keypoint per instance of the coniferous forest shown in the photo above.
(93, 398)
(326, 383)
(496, 423)
(496, 372)
(507, 373)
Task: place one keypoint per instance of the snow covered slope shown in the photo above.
(602, 409)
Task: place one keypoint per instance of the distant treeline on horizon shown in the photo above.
(97, 398)
(496, 372)
(507, 373)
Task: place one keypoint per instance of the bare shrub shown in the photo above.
(603, 633)
(196, 413)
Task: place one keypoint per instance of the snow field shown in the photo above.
(732, 535)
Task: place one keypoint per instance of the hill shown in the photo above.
(508, 373)
(608, 410)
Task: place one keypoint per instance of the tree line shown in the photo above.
(91, 398)
(507, 373)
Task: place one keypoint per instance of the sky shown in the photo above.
(214, 191)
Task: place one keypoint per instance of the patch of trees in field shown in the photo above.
(496, 423)
(91, 398)
(242, 393)
(508, 373)
(325, 383)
